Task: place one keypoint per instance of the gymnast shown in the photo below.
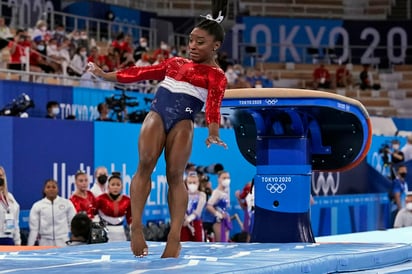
(186, 84)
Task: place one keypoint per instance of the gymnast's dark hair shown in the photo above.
(219, 8)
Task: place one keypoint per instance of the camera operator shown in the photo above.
(85, 231)
(53, 109)
(103, 110)
(119, 104)
(80, 227)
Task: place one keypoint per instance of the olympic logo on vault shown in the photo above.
(276, 188)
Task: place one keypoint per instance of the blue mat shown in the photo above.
(211, 258)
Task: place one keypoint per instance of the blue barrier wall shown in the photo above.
(34, 149)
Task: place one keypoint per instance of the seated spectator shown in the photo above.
(17, 48)
(268, 79)
(40, 31)
(5, 34)
(163, 50)
(95, 57)
(78, 64)
(38, 61)
(59, 33)
(111, 59)
(241, 82)
(321, 77)
(144, 61)
(366, 79)
(343, 77)
(52, 109)
(141, 48)
(231, 75)
(55, 55)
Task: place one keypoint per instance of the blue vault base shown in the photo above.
(325, 256)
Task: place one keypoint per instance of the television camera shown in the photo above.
(119, 102)
(18, 106)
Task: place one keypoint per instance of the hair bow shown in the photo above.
(218, 19)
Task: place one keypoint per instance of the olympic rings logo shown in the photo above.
(275, 188)
(271, 101)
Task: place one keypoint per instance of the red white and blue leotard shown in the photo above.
(184, 89)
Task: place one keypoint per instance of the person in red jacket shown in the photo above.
(113, 208)
(82, 198)
(321, 77)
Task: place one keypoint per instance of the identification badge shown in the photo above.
(8, 223)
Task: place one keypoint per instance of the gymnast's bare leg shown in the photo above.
(177, 152)
(150, 146)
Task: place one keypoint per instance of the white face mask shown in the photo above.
(226, 183)
(395, 147)
(192, 188)
(163, 46)
(408, 206)
(55, 111)
(143, 44)
(43, 29)
(83, 53)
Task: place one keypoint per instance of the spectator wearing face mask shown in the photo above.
(404, 216)
(78, 64)
(216, 218)
(163, 50)
(140, 49)
(231, 75)
(52, 109)
(399, 190)
(192, 229)
(40, 31)
(100, 180)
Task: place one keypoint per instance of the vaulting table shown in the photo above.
(286, 134)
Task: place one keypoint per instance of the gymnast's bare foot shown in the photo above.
(138, 242)
(173, 247)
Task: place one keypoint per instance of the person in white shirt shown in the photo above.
(5, 33)
(50, 218)
(9, 214)
(231, 75)
(407, 149)
(78, 63)
(100, 181)
(404, 216)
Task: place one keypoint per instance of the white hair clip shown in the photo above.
(218, 19)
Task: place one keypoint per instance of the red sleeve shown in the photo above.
(216, 91)
(129, 212)
(135, 74)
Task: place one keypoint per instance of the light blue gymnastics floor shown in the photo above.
(334, 254)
